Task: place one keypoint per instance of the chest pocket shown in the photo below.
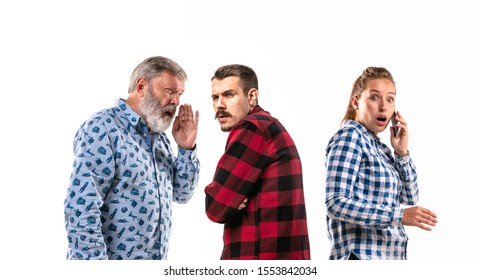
(377, 179)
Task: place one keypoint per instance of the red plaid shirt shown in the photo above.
(260, 163)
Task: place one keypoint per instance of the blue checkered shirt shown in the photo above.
(365, 187)
(124, 179)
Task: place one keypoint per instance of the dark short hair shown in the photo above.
(248, 78)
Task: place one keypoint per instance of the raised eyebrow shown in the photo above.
(378, 92)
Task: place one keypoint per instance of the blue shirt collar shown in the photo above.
(362, 128)
(132, 116)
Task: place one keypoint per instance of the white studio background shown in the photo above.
(61, 61)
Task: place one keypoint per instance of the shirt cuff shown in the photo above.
(404, 159)
(190, 154)
(397, 217)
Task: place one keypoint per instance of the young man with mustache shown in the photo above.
(257, 189)
(125, 175)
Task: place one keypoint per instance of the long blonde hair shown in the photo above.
(370, 73)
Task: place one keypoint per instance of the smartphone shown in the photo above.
(394, 124)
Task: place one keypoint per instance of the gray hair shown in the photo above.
(153, 67)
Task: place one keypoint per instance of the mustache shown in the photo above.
(222, 113)
(170, 109)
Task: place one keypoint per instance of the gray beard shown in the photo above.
(156, 117)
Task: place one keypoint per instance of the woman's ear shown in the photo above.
(355, 102)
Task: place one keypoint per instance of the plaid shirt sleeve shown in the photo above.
(346, 199)
(408, 175)
(237, 171)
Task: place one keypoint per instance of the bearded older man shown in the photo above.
(125, 174)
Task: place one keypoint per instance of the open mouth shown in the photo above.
(382, 119)
(169, 111)
(168, 114)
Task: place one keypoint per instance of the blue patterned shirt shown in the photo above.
(365, 187)
(124, 179)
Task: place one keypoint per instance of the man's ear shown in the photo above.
(253, 97)
(141, 86)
